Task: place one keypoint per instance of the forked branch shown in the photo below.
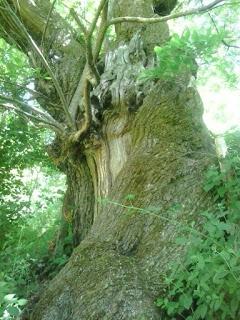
(90, 73)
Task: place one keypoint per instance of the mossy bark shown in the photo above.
(157, 152)
(159, 155)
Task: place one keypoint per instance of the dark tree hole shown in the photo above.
(164, 7)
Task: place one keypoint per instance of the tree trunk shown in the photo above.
(133, 182)
(151, 154)
(159, 156)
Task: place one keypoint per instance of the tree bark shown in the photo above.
(156, 150)
(149, 152)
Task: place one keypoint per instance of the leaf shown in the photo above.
(185, 301)
(201, 311)
(13, 311)
(221, 191)
(181, 240)
(10, 298)
(234, 305)
(22, 302)
(172, 307)
(220, 275)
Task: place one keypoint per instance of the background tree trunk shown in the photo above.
(150, 152)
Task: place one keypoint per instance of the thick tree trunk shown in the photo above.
(160, 158)
(157, 152)
(151, 153)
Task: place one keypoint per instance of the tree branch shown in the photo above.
(45, 117)
(30, 116)
(90, 68)
(45, 63)
(93, 74)
(101, 34)
(88, 115)
(195, 11)
(75, 16)
(96, 17)
(226, 44)
(24, 86)
(47, 23)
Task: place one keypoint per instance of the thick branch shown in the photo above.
(96, 17)
(101, 34)
(88, 115)
(195, 11)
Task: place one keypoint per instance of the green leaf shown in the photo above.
(10, 298)
(13, 311)
(22, 302)
(201, 311)
(185, 301)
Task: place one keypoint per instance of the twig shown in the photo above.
(101, 34)
(78, 21)
(46, 116)
(93, 74)
(195, 11)
(30, 116)
(47, 23)
(216, 28)
(96, 17)
(32, 91)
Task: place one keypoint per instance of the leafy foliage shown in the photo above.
(30, 199)
(21, 147)
(205, 285)
(15, 72)
(183, 54)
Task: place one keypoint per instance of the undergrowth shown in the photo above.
(28, 257)
(206, 283)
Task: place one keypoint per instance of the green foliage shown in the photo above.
(183, 54)
(11, 306)
(30, 199)
(15, 72)
(22, 146)
(205, 284)
(26, 258)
